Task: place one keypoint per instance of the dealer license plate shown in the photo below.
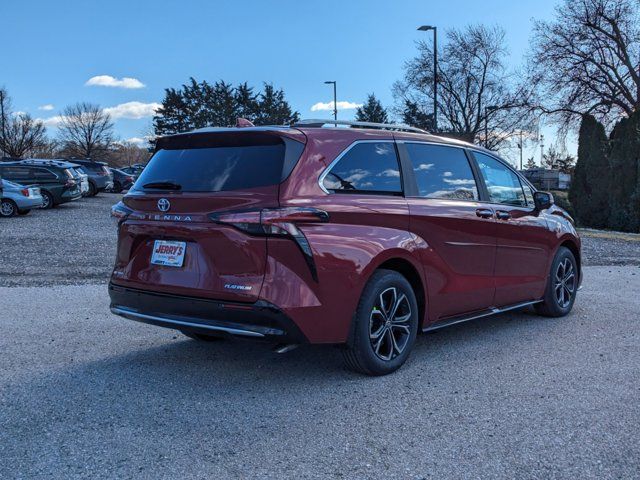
(168, 253)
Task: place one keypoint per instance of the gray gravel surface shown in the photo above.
(84, 394)
(75, 244)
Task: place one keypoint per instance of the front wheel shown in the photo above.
(562, 285)
(385, 325)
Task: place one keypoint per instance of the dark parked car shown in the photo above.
(121, 180)
(355, 236)
(134, 170)
(100, 178)
(57, 180)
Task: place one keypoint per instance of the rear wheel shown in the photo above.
(47, 199)
(202, 337)
(8, 208)
(385, 325)
(117, 187)
(562, 285)
(93, 190)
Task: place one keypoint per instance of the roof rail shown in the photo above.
(318, 123)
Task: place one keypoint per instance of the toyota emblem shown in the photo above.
(164, 205)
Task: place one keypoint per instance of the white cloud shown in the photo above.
(136, 140)
(109, 81)
(389, 173)
(328, 106)
(47, 107)
(51, 121)
(424, 166)
(134, 110)
(19, 113)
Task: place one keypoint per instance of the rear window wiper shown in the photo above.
(163, 185)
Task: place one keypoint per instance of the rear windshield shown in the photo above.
(216, 168)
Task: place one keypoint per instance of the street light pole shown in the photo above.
(335, 100)
(426, 28)
(2, 119)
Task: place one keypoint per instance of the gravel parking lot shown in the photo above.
(85, 394)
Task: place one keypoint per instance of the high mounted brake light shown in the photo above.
(278, 222)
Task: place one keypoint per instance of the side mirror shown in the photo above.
(543, 200)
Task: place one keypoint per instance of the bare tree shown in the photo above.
(587, 60)
(22, 135)
(85, 131)
(476, 92)
(127, 153)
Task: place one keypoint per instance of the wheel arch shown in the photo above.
(573, 247)
(408, 270)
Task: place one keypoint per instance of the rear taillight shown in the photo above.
(70, 183)
(280, 222)
(120, 212)
(25, 192)
(103, 172)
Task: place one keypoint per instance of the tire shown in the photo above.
(117, 188)
(47, 200)
(93, 190)
(8, 208)
(381, 339)
(201, 337)
(24, 212)
(562, 285)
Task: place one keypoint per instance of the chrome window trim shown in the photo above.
(326, 171)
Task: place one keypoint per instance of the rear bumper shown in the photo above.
(199, 315)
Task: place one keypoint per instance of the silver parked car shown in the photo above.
(18, 199)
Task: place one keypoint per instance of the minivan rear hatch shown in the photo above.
(169, 240)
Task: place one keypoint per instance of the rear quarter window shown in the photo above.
(370, 167)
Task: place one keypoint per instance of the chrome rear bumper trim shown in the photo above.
(181, 323)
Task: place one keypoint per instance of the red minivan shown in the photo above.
(361, 235)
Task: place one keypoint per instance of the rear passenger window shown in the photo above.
(503, 184)
(370, 167)
(42, 174)
(442, 172)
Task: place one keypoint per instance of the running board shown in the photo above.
(467, 318)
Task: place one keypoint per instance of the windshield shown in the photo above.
(214, 169)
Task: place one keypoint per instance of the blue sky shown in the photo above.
(52, 48)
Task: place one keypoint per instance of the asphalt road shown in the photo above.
(84, 394)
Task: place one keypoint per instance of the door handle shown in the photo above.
(484, 213)
(502, 215)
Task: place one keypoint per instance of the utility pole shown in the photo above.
(335, 100)
(2, 120)
(541, 150)
(426, 28)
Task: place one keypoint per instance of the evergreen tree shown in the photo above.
(589, 192)
(273, 109)
(201, 104)
(415, 116)
(531, 163)
(372, 111)
(625, 162)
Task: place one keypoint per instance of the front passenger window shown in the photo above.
(503, 184)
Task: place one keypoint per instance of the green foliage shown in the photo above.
(589, 193)
(414, 115)
(625, 159)
(372, 111)
(201, 104)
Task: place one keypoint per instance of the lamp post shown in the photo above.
(335, 100)
(2, 120)
(426, 28)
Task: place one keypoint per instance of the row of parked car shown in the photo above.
(42, 183)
